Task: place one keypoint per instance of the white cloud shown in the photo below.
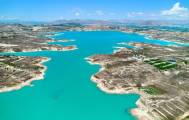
(8, 18)
(61, 17)
(176, 11)
(1, 17)
(77, 14)
(129, 15)
(139, 13)
(153, 15)
(135, 14)
(112, 13)
(99, 12)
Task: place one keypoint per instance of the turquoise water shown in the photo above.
(67, 92)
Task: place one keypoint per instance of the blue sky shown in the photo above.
(48, 10)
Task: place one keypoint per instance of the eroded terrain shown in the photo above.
(20, 38)
(17, 71)
(159, 74)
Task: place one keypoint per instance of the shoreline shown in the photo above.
(41, 63)
(149, 37)
(138, 112)
(135, 112)
(7, 45)
(36, 50)
(29, 81)
(62, 41)
(51, 40)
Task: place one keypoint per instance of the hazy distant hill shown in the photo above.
(124, 22)
(77, 22)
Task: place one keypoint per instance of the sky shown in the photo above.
(49, 10)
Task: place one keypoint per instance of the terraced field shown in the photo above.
(161, 64)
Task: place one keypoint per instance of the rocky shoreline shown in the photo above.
(135, 111)
(126, 71)
(15, 71)
(28, 82)
(35, 74)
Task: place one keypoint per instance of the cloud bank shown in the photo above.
(176, 11)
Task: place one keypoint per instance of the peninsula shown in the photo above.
(158, 74)
(15, 72)
(20, 38)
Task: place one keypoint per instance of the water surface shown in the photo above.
(67, 93)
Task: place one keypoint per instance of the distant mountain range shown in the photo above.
(104, 22)
(125, 22)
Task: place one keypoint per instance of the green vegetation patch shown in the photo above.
(186, 62)
(152, 90)
(37, 67)
(161, 64)
(9, 63)
(186, 118)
